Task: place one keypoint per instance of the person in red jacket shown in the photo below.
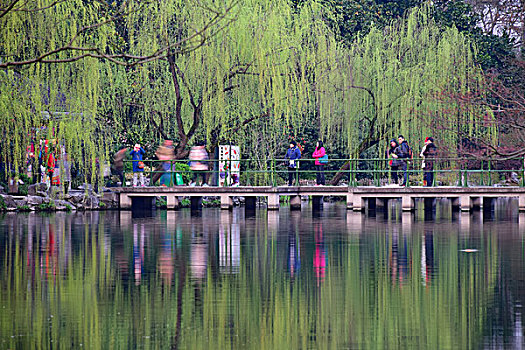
(318, 154)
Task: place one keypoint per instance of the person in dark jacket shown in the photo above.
(428, 153)
(394, 162)
(404, 156)
(137, 155)
(293, 154)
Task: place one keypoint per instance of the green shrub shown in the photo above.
(46, 206)
(185, 171)
(23, 208)
(3, 206)
(185, 203)
(161, 202)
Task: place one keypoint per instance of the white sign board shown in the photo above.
(229, 165)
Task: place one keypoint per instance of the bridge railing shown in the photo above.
(352, 172)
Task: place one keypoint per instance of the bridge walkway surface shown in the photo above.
(357, 198)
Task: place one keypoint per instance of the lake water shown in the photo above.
(277, 280)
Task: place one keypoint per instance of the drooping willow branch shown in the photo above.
(123, 59)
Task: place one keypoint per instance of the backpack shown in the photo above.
(410, 153)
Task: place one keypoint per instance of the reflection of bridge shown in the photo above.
(357, 198)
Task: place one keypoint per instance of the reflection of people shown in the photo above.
(294, 254)
(165, 152)
(199, 164)
(427, 257)
(320, 254)
(398, 259)
(137, 155)
(293, 154)
(428, 152)
(138, 251)
(199, 258)
(318, 154)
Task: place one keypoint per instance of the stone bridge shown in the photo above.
(357, 198)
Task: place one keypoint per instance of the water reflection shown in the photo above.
(271, 280)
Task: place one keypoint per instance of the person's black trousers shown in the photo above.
(320, 174)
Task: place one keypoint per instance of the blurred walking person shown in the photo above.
(199, 164)
(118, 165)
(164, 152)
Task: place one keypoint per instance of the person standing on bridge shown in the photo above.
(404, 155)
(293, 154)
(320, 160)
(394, 162)
(428, 153)
(137, 154)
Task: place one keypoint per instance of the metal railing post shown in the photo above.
(490, 173)
(297, 174)
(523, 174)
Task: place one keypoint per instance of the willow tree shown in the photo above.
(54, 60)
(389, 82)
(260, 66)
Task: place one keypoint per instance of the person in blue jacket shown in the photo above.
(293, 154)
(137, 155)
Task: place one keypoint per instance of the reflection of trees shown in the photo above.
(93, 302)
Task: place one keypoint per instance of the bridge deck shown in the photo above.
(356, 196)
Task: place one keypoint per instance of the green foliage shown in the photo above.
(389, 82)
(214, 203)
(185, 203)
(3, 205)
(46, 206)
(23, 188)
(492, 50)
(161, 202)
(23, 208)
(184, 170)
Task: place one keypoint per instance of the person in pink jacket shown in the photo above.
(320, 161)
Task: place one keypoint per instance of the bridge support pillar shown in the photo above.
(273, 201)
(125, 201)
(295, 202)
(381, 203)
(407, 203)
(226, 202)
(317, 203)
(349, 201)
(172, 202)
(465, 203)
(521, 202)
(358, 204)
